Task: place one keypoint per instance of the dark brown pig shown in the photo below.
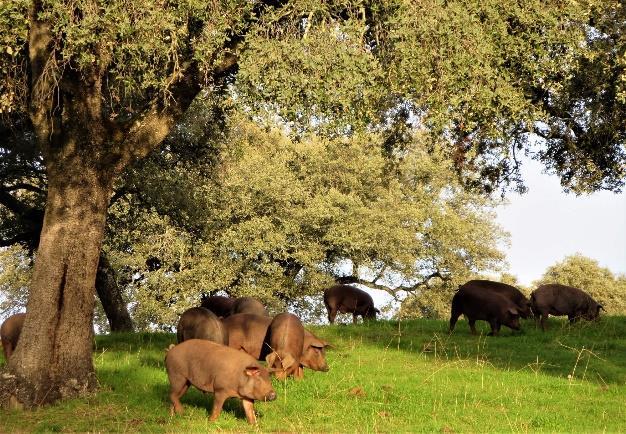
(10, 333)
(477, 304)
(314, 352)
(247, 332)
(285, 341)
(510, 292)
(248, 305)
(201, 323)
(555, 299)
(348, 299)
(225, 372)
(219, 305)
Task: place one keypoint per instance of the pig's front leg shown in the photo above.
(248, 407)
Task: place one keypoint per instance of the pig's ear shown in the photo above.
(287, 361)
(513, 311)
(601, 307)
(270, 358)
(252, 371)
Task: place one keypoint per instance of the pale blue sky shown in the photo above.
(546, 225)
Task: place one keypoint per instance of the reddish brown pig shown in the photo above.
(314, 353)
(285, 341)
(477, 304)
(219, 305)
(225, 372)
(201, 323)
(248, 305)
(247, 332)
(555, 299)
(10, 333)
(510, 292)
(348, 299)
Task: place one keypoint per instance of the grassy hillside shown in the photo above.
(384, 376)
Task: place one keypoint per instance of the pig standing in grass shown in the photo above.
(348, 299)
(248, 305)
(223, 371)
(200, 323)
(285, 340)
(10, 333)
(510, 292)
(477, 304)
(555, 299)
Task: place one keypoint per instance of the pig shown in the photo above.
(219, 305)
(313, 353)
(348, 299)
(10, 333)
(285, 341)
(248, 332)
(556, 299)
(201, 323)
(225, 372)
(511, 292)
(248, 305)
(477, 304)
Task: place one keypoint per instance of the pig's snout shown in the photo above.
(270, 396)
(325, 368)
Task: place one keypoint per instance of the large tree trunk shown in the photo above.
(111, 297)
(53, 357)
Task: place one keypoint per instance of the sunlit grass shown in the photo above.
(384, 376)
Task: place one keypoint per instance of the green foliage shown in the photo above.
(585, 273)
(385, 376)
(15, 275)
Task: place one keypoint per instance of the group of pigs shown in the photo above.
(220, 345)
(221, 342)
(501, 304)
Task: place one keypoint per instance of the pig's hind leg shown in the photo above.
(178, 386)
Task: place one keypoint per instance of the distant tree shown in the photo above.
(585, 273)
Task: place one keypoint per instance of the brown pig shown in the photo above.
(477, 304)
(201, 323)
(219, 305)
(555, 299)
(313, 353)
(223, 371)
(248, 305)
(285, 341)
(10, 333)
(348, 299)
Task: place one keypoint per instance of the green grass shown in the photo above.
(384, 376)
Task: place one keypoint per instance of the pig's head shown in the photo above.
(593, 311)
(370, 313)
(526, 311)
(511, 318)
(256, 384)
(314, 354)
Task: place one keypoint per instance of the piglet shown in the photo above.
(225, 372)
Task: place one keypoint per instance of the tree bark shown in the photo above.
(53, 357)
(111, 297)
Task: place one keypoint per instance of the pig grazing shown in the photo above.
(555, 299)
(10, 333)
(510, 292)
(225, 372)
(219, 305)
(348, 299)
(248, 305)
(200, 323)
(285, 341)
(477, 304)
(313, 353)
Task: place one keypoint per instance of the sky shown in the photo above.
(546, 225)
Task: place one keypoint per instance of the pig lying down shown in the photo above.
(223, 371)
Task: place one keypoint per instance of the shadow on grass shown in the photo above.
(594, 351)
